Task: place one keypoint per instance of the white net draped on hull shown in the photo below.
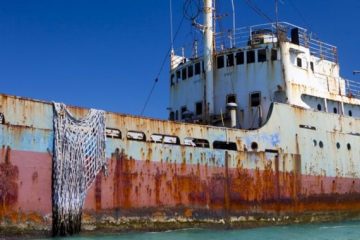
(79, 155)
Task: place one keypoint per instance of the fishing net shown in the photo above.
(79, 155)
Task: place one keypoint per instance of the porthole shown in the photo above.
(349, 146)
(350, 113)
(319, 107)
(338, 145)
(321, 145)
(254, 146)
(314, 142)
(335, 110)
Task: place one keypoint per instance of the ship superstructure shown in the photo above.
(276, 62)
(262, 130)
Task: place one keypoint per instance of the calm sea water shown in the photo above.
(334, 231)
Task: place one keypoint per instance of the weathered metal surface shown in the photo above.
(286, 176)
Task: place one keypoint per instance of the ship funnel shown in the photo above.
(232, 107)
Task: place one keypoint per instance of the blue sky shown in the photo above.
(106, 53)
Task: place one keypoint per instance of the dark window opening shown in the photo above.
(250, 56)
(254, 146)
(196, 142)
(239, 58)
(255, 99)
(183, 110)
(348, 146)
(110, 132)
(230, 60)
(307, 127)
(177, 76)
(220, 62)
(183, 74)
(338, 145)
(172, 80)
(299, 62)
(136, 136)
(314, 142)
(172, 116)
(2, 118)
(224, 145)
(198, 108)
(231, 98)
(335, 110)
(261, 55)
(166, 139)
(321, 144)
(274, 54)
(190, 71)
(197, 68)
(350, 113)
(312, 66)
(319, 107)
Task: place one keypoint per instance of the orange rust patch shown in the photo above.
(8, 183)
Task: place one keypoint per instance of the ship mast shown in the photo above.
(208, 57)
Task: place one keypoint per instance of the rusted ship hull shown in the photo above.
(288, 177)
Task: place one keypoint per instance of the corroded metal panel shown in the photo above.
(286, 174)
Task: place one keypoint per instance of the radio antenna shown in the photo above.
(171, 27)
(233, 13)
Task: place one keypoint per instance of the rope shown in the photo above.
(161, 69)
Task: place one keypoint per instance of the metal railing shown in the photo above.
(352, 88)
(246, 36)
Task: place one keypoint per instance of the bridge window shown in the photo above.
(312, 66)
(183, 110)
(350, 113)
(198, 108)
(172, 116)
(224, 145)
(335, 110)
(274, 54)
(183, 73)
(220, 62)
(261, 55)
(239, 58)
(299, 62)
(197, 68)
(190, 71)
(250, 56)
(230, 60)
(255, 99)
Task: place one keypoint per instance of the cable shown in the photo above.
(257, 10)
(161, 68)
(300, 15)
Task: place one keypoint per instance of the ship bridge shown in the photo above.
(252, 67)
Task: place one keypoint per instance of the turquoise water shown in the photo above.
(334, 231)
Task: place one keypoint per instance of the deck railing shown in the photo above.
(246, 36)
(352, 88)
